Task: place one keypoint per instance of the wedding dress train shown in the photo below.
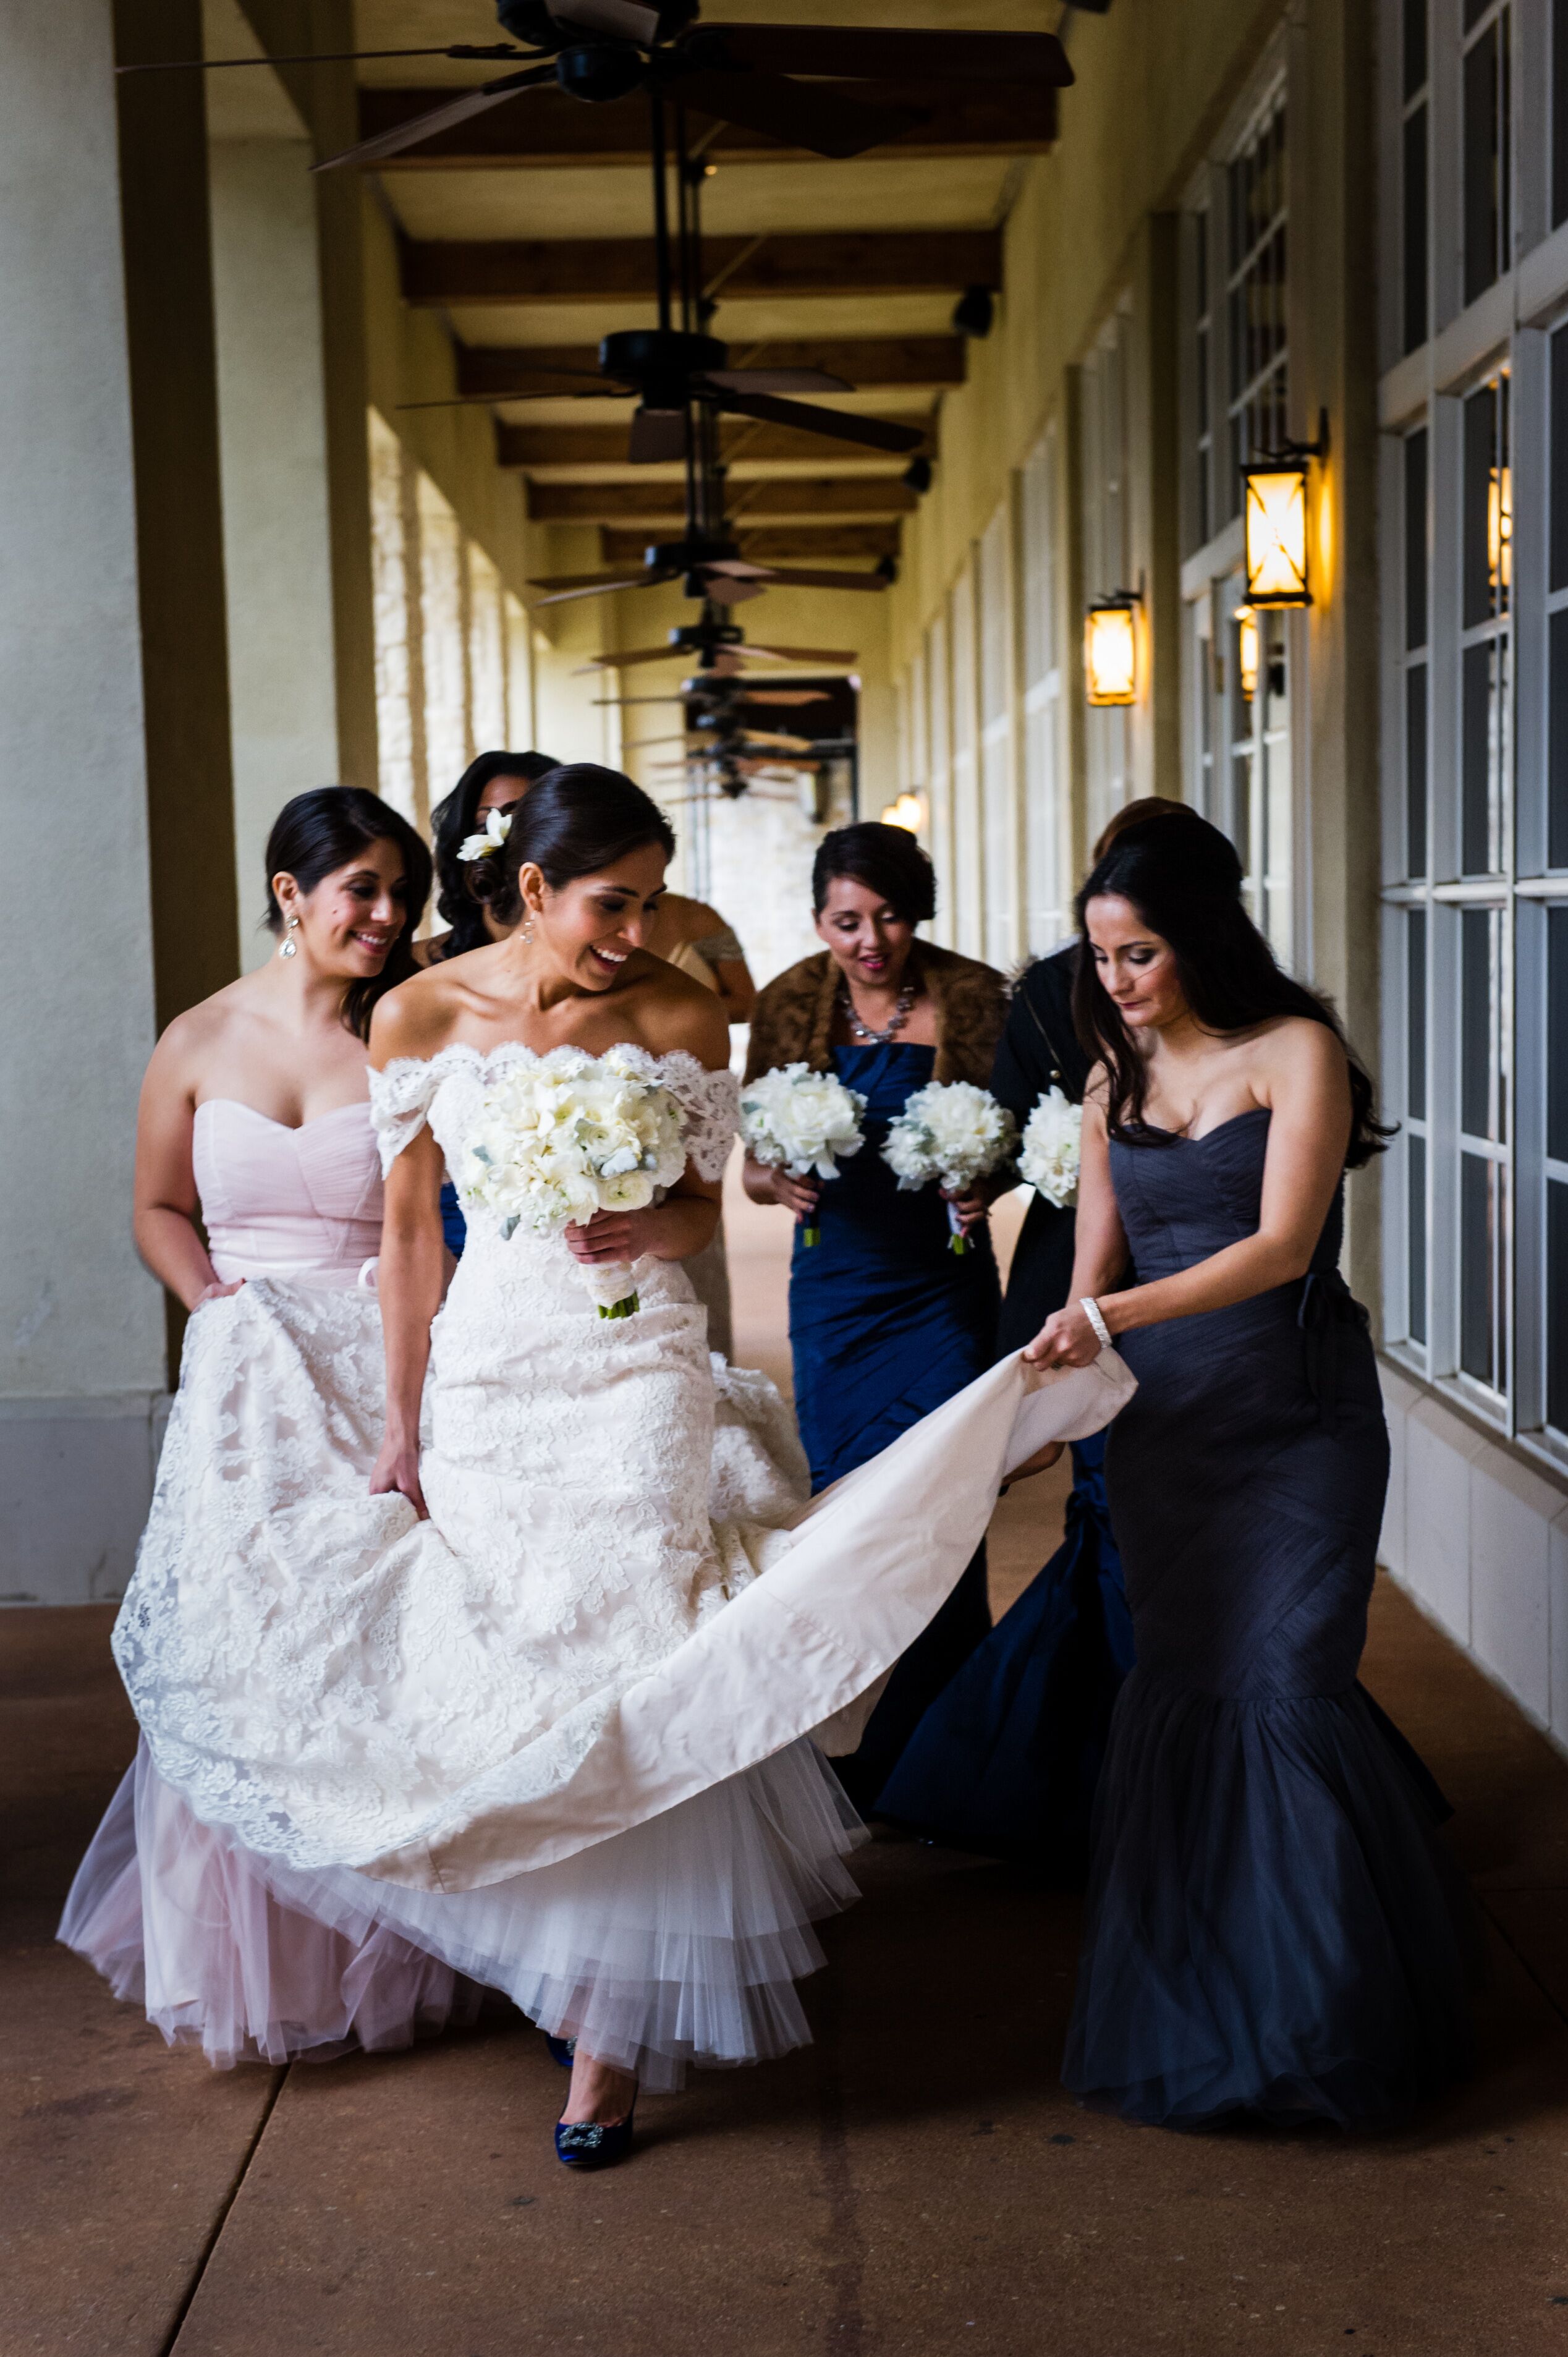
(557, 1739)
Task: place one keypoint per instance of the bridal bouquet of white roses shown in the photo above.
(558, 1140)
(1052, 1141)
(953, 1132)
(797, 1119)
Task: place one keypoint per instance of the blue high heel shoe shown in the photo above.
(594, 2144)
(561, 2049)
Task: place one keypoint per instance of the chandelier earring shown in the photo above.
(290, 946)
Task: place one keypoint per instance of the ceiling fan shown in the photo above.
(721, 648)
(602, 50)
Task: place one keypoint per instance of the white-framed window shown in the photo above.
(1000, 845)
(938, 708)
(1474, 498)
(1104, 501)
(1241, 723)
(965, 854)
(1045, 815)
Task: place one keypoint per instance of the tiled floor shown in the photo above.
(916, 2182)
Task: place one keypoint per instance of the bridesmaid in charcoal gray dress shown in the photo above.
(1275, 1926)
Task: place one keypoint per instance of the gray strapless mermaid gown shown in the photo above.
(1273, 1924)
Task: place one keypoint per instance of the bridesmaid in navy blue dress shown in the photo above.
(1273, 1926)
(493, 781)
(1007, 1758)
(886, 1321)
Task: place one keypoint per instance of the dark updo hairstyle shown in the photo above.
(328, 828)
(1185, 883)
(575, 822)
(887, 860)
(464, 885)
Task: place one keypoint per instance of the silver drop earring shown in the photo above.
(527, 930)
(290, 947)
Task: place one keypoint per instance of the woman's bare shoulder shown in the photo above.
(415, 1018)
(209, 1027)
(675, 1013)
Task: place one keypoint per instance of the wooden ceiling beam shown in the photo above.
(871, 363)
(546, 129)
(604, 445)
(781, 266)
(782, 544)
(790, 498)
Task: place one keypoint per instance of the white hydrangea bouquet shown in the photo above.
(797, 1120)
(574, 1134)
(953, 1132)
(1053, 1138)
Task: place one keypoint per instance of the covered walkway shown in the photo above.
(916, 2182)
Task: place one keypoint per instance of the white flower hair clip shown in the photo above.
(496, 827)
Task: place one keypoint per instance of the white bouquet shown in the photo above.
(797, 1119)
(1052, 1142)
(952, 1132)
(569, 1135)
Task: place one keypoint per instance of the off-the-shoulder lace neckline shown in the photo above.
(679, 1062)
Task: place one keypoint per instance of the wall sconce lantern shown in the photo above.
(1246, 623)
(1274, 522)
(1111, 649)
(907, 811)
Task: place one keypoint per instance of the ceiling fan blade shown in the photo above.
(587, 389)
(625, 17)
(615, 702)
(804, 655)
(440, 118)
(884, 54)
(838, 425)
(657, 436)
(600, 580)
(634, 655)
(729, 590)
(647, 579)
(496, 49)
(808, 578)
(778, 743)
(779, 380)
(777, 697)
(796, 113)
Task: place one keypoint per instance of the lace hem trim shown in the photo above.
(402, 1094)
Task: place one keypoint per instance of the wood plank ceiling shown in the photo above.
(530, 229)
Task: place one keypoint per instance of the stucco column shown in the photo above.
(81, 1327)
(276, 526)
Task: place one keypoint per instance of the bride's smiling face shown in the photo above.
(1137, 969)
(349, 924)
(591, 926)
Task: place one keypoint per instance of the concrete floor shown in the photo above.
(915, 2178)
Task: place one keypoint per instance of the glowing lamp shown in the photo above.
(1276, 532)
(1246, 623)
(908, 812)
(1111, 650)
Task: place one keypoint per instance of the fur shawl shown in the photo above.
(795, 1013)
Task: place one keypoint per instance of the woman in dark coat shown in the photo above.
(885, 1322)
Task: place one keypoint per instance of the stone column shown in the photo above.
(273, 449)
(82, 1328)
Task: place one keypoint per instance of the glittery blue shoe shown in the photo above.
(561, 2049)
(594, 2144)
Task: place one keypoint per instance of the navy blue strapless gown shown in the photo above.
(1273, 1925)
(1007, 1757)
(885, 1323)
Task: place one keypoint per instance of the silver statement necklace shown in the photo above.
(863, 1032)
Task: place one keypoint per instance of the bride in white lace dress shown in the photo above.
(516, 1705)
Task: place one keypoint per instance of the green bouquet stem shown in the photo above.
(810, 1236)
(627, 1306)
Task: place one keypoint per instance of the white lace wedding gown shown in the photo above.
(553, 1740)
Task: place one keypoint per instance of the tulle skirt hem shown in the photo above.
(679, 1941)
(1274, 1927)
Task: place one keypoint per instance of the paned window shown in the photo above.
(1487, 106)
(1257, 344)
(1205, 519)
(1416, 606)
(1414, 175)
(1103, 493)
(1486, 706)
(1044, 814)
(998, 803)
